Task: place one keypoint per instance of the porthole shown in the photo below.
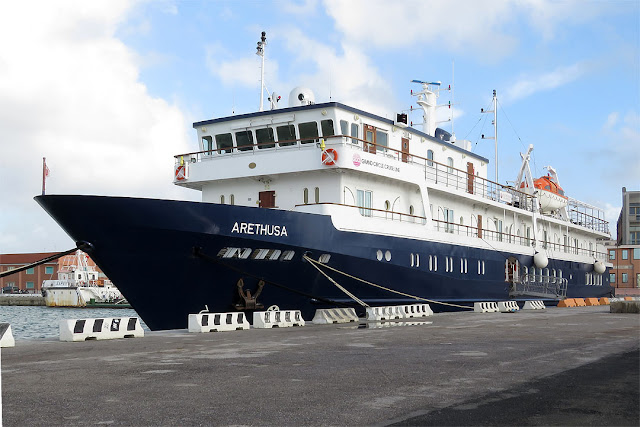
(387, 255)
(379, 255)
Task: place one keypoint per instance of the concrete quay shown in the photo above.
(21, 299)
(559, 366)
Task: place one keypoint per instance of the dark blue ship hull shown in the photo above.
(166, 258)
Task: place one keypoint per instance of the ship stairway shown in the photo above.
(538, 286)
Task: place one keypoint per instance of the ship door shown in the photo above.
(405, 150)
(511, 270)
(470, 177)
(480, 226)
(370, 139)
(267, 199)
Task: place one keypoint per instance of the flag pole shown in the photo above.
(44, 168)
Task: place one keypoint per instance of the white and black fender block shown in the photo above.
(385, 313)
(335, 315)
(107, 328)
(508, 306)
(218, 322)
(6, 337)
(417, 310)
(485, 307)
(277, 319)
(533, 305)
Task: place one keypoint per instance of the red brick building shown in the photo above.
(30, 280)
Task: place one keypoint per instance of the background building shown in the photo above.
(629, 219)
(30, 280)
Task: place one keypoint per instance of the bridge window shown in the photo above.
(355, 132)
(327, 128)
(222, 199)
(265, 139)
(317, 194)
(232, 200)
(224, 142)
(207, 144)
(305, 196)
(286, 134)
(344, 127)
(308, 130)
(244, 140)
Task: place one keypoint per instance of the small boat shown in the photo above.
(79, 285)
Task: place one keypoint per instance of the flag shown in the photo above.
(45, 173)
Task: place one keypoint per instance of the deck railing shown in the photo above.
(438, 173)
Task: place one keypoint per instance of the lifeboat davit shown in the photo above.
(550, 194)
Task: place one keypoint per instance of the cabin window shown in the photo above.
(449, 220)
(305, 196)
(430, 158)
(450, 164)
(232, 200)
(265, 139)
(308, 130)
(286, 134)
(327, 128)
(364, 202)
(222, 199)
(317, 194)
(207, 144)
(382, 139)
(224, 142)
(369, 137)
(411, 210)
(244, 140)
(344, 127)
(499, 228)
(387, 205)
(355, 132)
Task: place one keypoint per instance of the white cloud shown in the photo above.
(69, 91)
(528, 85)
(612, 120)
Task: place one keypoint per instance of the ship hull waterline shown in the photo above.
(163, 257)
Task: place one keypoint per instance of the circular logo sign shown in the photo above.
(356, 159)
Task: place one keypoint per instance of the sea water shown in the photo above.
(36, 322)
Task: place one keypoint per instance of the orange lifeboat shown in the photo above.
(550, 194)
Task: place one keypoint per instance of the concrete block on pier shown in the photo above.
(107, 328)
(580, 302)
(417, 310)
(625, 307)
(6, 337)
(568, 302)
(385, 312)
(508, 306)
(217, 322)
(277, 319)
(591, 301)
(604, 301)
(485, 307)
(335, 315)
(533, 305)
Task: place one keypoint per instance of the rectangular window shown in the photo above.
(244, 140)
(224, 143)
(364, 202)
(286, 134)
(48, 270)
(308, 130)
(30, 270)
(625, 254)
(30, 285)
(625, 277)
(612, 255)
(207, 144)
(327, 128)
(612, 278)
(344, 127)
(499, 229)
(382, 139)
(355, 132)
(636, 253)
(265, 139)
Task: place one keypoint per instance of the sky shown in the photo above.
(108, 91)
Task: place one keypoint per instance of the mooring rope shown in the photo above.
(313, 262)
(352, 296)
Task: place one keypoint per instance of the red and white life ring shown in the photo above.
(181, 172)
(329, 157)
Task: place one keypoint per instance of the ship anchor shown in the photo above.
(248, 301)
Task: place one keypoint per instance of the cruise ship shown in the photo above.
(318, 205)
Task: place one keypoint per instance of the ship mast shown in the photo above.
(495, 127)
(260, 52)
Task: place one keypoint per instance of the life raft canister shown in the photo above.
(329, 157)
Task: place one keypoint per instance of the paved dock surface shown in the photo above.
(572, 366)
